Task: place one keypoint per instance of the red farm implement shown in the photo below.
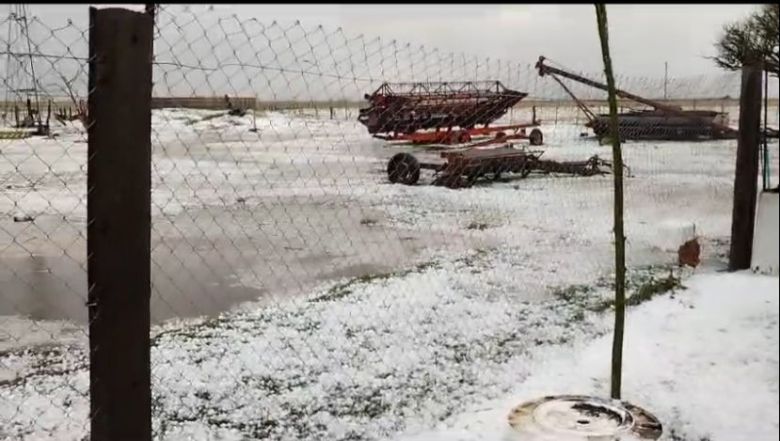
(444, 113)
(462, 168)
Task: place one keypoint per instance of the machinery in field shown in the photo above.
(444, 113)
(462, 168)
(661, 122)
(449, 113)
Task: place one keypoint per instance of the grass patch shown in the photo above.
(584, 297)
(341, 290)
(211, 327)
(675, 436)
(473, 258)
(46, 360)
(344, 289)
(573, 292)
(477, 226)
(654, 287)
(642, 285)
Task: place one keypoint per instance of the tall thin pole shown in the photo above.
(666, 78)
(620, 239)
(8, 81)
(26, 33)
(766, 177)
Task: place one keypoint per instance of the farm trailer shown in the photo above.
(461, 169)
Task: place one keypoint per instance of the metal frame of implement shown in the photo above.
(495, 134)
(445, 113)
(461, 169)
(663, 122)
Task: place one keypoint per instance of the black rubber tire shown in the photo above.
(536, 137)
(403, 168)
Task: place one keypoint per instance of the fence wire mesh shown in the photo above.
(44, 378)
(296, 292)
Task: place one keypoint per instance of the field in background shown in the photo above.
(305, 199)
(340, 106)
(291, 280)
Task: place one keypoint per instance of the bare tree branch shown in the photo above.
(755, 38)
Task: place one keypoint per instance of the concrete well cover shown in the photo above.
(581, 418)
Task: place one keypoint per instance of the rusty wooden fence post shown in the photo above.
(746, 173)
(119, 223)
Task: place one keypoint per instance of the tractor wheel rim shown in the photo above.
(581, 418)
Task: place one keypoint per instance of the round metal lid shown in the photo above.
(580, 418)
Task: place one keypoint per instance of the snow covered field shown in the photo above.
(298, 295)
(705, 361)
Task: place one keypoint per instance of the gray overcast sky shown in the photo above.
(490, 41)
(642, 36)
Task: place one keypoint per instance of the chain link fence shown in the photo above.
(44, 377)
(296, 292)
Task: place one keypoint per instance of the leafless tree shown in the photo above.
(755, 38)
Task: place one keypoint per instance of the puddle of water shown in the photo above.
(207, 260)
(53, 288)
